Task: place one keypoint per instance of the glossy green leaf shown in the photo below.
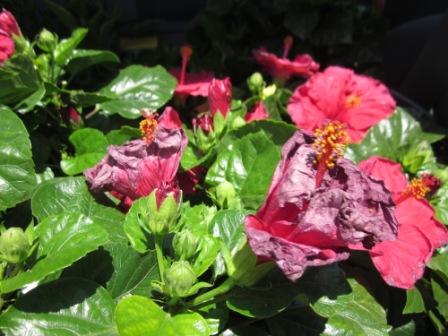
(90, 147)
(19, 81)
(72, 195)
(82, 59)
(137, 87)
(439, 263)
(296, 321)
(248, 164)
(63, 239)
(17, 177)
(441, 297)
(120, 136)
(392, 138)
(356, 313)
(140, 316)
(62, 308)
(216, 316)
(64, 50)
(405, 330)
(440, 204)
(263, 302)
(133, 225)
(414, 302)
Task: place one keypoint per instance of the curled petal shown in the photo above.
(258, 112)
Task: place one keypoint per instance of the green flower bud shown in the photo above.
(14, 245)
(255, 83)
(225, 196)
(268, 91)
(185, 244)
(47, 40)
(162, 219)
(179, 279)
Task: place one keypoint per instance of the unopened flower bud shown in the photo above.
(179, 279)
(268, 91)
(162, 214)
(14, 245)
(47, 40)
(185, 244)
(225, 196)
(255, 83)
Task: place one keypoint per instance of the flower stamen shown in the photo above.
(420, 187)
(331, 141)
(185, 52)
(287, 45)
(148, 127)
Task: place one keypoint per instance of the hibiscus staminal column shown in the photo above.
(185, 52)
(148, 127)
(330, 143)
(287, 45)
(418, 188)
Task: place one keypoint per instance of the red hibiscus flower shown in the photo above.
(258, 112)
(190, 84)
(281, 67)
(402, 262)
(318, 203)
(6, 46)
(220, 96)
(9, 24)
(138, 167)
(339, 94)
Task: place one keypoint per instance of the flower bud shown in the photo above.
(179, 279)
(220, 96)
(268, 91)
(185, 244)
(255, 83)
(8, 23)
(14, 245)
(162, 213)
(47, 40)
(225, 196)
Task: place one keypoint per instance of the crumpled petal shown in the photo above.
(347, 208)
(327, 96)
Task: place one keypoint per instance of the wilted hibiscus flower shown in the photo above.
(282, 68)
(402, 262)
(318, 203)
(138, 167)
(8, 28)
(341, 95)
(190, 84)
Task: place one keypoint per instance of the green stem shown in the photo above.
(159, 255)
(92, 113)
(221, 289)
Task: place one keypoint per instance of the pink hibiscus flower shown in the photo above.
(7, 48)
(281, 67)
(140, 166)
(339, 94)
(190, 84)
(318, 203)
(8, 23)
(402, 262)
(220, 96)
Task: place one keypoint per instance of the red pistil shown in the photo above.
(185, 52)
(148, 127)
(420, 187)
(330, 143)
(287, 44)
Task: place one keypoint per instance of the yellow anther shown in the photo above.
(148, 127)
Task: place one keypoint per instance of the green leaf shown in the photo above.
(81, 98)
(197, 219)
(356, 313)
(137, 87)
(17, 176)
(65, 191)
(296, 321)
(405, 330)
(133, 224)
(440, 204)
(82, 59)
(63, 239)
(228, 225)
(19, 81)
(248, 164)
(439, 263)
(61, 308)
(120, 136)
(414, 302)
(441, 296)
(392, 138)
(90, 147)
(140, 316)
(64, 50)
(263, 302)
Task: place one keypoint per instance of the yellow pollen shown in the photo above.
(148, 127)
(353, 101)
(417, 188)
(331, 141)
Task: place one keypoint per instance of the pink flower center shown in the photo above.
(148, 127)
(185, 52)
(417, 188)
(353, 101)
(330, 143)
(287, 44)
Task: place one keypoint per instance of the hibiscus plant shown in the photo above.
(175, 202)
